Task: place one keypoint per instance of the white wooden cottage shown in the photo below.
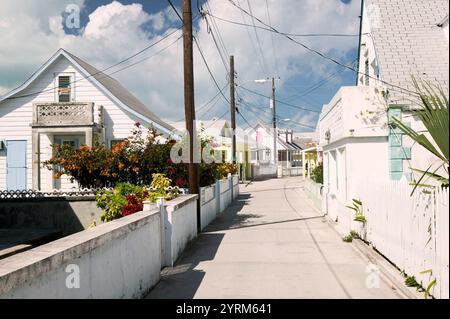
(65, 101)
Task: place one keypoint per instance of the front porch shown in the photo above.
(74, 123)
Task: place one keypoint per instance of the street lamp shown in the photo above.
(274, 115)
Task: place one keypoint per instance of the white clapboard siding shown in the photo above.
(16, 115)
(411, 231)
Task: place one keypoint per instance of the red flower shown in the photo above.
(180, 182)
(131, 199)
(137, 124)
(131, 209)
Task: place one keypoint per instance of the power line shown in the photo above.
(257, 38)
(209, 70)
(201, 54)
(279, 101)
(252, 43)
(210, 31)
(239, 112)
(219, 36)
(279, 119)
(149, 57)
(206, 103)
(271, 36)
(318, 84)
(214, 104)
(103, 70)
(286, 33)
(318, 52)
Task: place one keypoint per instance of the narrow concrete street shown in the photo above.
(270, 243)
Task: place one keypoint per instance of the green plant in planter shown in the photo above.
(358, 209)
(354, 234)
(348, 238)
(113, 201)
(161, 188)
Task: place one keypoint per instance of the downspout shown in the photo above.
(359, 40)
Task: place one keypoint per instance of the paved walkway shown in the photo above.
(271, 243)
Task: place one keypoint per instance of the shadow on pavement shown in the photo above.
(183, 280)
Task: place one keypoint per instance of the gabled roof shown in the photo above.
(408, 41)
(108, 85)
(282, 142)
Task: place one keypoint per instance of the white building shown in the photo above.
(262, 159)
(221, 132)
(65, 101)
(399, 39)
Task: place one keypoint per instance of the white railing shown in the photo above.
(70, 113)
(411, 231)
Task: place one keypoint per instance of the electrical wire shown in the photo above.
(257, 39)
(286, 33)
(320, 53)
(279, 101)
(103, 70)
(275, 56)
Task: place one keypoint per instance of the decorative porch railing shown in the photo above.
(72, 113)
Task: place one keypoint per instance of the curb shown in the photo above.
(391, 274)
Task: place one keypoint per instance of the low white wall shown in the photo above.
(210, 205)
(263, 171)
(118, 259)
(214, 199)
(180, 226)
(225, 193)
(235, 179)
(314, 190)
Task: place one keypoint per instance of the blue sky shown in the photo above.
(112, 31)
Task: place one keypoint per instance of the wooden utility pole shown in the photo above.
(232, 111)
(275, 134)
(189, 107)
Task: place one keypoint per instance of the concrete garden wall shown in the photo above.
(118, 259)
(68, 214)
(214, 199)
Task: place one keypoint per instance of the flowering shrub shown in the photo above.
(124, 199)
(227, 168)
(132, 161)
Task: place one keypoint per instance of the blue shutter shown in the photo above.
(16, 165)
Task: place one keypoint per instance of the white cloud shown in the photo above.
(115, 31)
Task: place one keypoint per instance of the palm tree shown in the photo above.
(434, 116)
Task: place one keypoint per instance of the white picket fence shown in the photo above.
(411, 231)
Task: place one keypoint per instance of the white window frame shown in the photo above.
(72, 85)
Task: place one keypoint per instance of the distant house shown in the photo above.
(66, 101)
(263, 161)
(311, 154)
(398, 39)
(220, 131)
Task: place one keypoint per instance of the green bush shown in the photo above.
(126, 199)
(132, 161)
(317, 174)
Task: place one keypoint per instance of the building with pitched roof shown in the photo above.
(399, 40)
(65, 101)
